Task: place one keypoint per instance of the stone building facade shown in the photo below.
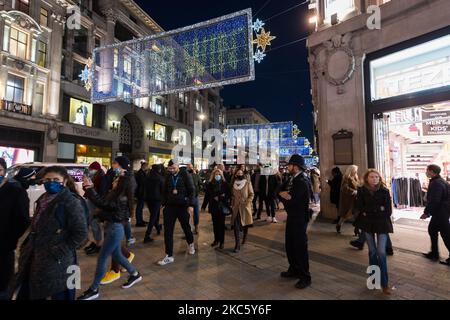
(342, 52)
(46, 110)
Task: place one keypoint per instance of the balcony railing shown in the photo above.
(16, 107)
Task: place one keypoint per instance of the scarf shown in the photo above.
(239, 184)
(41, 207)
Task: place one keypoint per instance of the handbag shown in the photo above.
(226, 210)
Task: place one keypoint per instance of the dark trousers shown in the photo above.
(171, 214)
(154, 208)
(218, 219)
(7, 259)
(297, 248)
(270, 206)
(237, 227)
(255, 199)
(139, 211)
(439, 224)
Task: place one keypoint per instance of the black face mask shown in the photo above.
(191, 171)
(240, 177)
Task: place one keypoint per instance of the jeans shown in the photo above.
(154, 207)
(196, 212)
(111, 247)
(171, 214)
(6, 273)
(127, 227)
(362, 240)
(377, 254)
(139, 209)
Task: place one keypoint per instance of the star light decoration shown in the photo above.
(295, 131)
(263, 39)
(86, 75)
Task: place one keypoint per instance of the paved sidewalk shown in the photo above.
(338, 270)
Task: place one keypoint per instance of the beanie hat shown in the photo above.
(95, 166)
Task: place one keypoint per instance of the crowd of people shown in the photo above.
(63, 220)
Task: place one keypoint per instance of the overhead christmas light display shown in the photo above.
(263, 39)
(213, 53)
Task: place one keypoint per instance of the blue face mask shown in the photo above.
(218, 178)
(117, 171)
(1, 179)
(53, 187)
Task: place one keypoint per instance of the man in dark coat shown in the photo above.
(296, 202)
(14, 216)
(140, 194)
(268, 189)
(438, 208)
(177, 197)
(154, 185)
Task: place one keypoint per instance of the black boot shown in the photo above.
(244, 238)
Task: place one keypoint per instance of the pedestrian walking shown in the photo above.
(349, 189)
(178, 194)
(115, 209)
(374, 209)
(58, 228)
(101, 187)
(154, 185)
(438, 208)
(195, 204)
(268, 190)
(140, 176)
(217, 198)
(241, 204)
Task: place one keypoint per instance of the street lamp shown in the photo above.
(202, 117)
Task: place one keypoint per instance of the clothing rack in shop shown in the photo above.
(407, 192)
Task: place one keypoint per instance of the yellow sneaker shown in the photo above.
(110, 277)
(130, 260)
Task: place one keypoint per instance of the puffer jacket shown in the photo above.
(113, 209)
(48, 251)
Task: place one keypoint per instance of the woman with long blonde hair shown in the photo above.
(349, 189)
(374, 209)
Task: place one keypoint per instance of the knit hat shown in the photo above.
(3, 163)
(95, 166)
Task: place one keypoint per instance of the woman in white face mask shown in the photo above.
(217, 197)
(242, 196)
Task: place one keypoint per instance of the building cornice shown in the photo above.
(141, 14)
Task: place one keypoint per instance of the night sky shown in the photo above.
(281, 90)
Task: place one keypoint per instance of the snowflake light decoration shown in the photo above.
(86, 75)
(263, 39)
(259, 56)
(257, 25)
